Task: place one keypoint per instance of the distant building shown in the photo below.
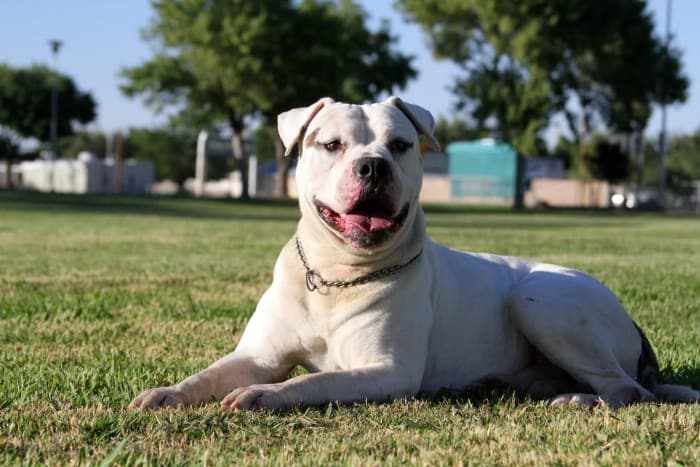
(86, 174)
(436, 182)
(476, 172)
(544, 167)
(435, 163)
(482, 171)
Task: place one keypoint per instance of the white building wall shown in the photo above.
(36, 175)
(87, 175)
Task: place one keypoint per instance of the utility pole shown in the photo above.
(55, 47)
(662, 136)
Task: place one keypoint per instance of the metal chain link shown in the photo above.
(314, 279)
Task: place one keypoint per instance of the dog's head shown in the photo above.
(360, 166)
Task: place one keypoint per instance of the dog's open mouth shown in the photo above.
(368, 223)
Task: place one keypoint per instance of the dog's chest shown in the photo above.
(344, 328)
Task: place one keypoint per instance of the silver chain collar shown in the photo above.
(314, 279)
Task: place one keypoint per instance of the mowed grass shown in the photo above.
(101, 297)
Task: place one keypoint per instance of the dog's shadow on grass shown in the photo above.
(494, 393)
(479, 396)
(683, 375)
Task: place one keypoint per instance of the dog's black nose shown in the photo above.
(372, 170)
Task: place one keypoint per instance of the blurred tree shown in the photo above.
(331, 52)
(9, 151)
(591, 60)
(172, 151)
(566, 150)
(9, 146)
(682, 162)
(227, 60)
(608, 161)
(498, 92)
(94, 142)
(684, 157)
(447, 131)
(265, 140)
(25, 102)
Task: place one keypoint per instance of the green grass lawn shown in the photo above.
(101, 297)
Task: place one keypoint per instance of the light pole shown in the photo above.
(55, 47)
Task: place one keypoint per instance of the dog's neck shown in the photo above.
(333, 256)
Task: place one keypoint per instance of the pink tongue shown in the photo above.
(367, 223)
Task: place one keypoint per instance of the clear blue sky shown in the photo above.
(103, 36)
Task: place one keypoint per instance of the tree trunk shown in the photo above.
(573, 126)
(281, 185)
(8, 173)
(639, 148)
(580, 129)
(519, 192)
(238, 150)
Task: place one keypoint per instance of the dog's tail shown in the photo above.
(648, 376)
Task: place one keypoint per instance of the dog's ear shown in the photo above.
(292, 124)
(420, 118)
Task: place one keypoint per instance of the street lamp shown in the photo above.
(55, 47)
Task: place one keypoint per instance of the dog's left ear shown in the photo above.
(420, 118)
(292, 124)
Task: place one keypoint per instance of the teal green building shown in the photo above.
(482, 170)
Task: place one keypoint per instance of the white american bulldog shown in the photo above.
(364, 300)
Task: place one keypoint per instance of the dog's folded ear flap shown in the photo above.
(292, 124)
(421, 119)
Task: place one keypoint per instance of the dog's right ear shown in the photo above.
(292, 124)
(421, 119)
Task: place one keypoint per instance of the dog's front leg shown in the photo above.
(262, 356)
(235, 370)
(378, 382)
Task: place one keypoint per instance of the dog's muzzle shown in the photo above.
(373, 216)
(369, 223)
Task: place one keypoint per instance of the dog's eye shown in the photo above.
(332, 146)
(399, 146)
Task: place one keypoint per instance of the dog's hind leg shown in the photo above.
(648, 376)
(543, 380)
(579, 326)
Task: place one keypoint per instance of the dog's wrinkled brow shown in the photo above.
(367, 134)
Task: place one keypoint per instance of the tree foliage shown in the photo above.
(449, 130)
(608, 161)
(25, 102)
(683, 158)
(171, 149)
(94, 142)
(566, 150)
(682, 161)
(9, 149)
(594, 61)
(227, 60)
(264, 139)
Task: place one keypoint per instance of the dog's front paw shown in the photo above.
(156, 398)
(257, 396)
